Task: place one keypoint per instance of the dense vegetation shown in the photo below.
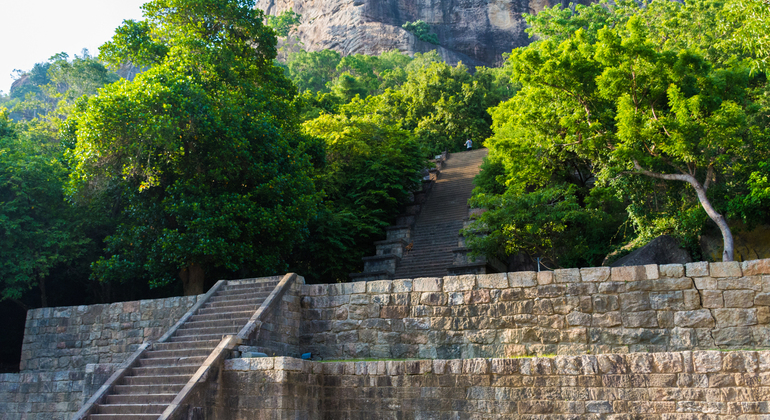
(631, 121)
(217, 161)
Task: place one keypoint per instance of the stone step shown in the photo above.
(232, 303)
(221, 322)
(182, 359)
(255, 285)
(176, 354)
(220, 316)
(189, 345)
(141, 399)
(156, 380)
(227, 330)
(238, 308)
(246, 294)
(123, 416)
(156, 409)
(194, 338)
(164, 370)
(147, 389)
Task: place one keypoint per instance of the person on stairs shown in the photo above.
(469, 144)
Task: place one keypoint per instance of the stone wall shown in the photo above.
(49, 395)
(572, 311)
(279, 334)
(67, 338)
(677, 385)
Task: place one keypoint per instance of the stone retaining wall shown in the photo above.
(572, 311)
(67, 338)
(678, 385)
(49, 395)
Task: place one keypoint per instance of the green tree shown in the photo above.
(313, 71)
(371, 166)
(629, 106)
(284, 22)
(421, 30)
(204, 148)
(39, 229)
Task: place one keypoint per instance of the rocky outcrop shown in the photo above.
(476, 32)
(662, 250)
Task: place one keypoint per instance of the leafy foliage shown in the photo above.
(421, 30)
(284, 22)
(203, 148)
(371, 167)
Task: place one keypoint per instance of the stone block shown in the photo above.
(700, 318)
(579, 319)
(606, 320)
(640, 363)
(492, 281)
(605, 303)
(646, 319)
(635, 301)
(523, 279)
(692, 299)
(477, 296)
(712, 299)
(735, 317)
(756, 267)
(544, 277)
(651, 271)
(288, 363)
(733, 336)
(671, 270)
(427, 284)
(748, 283)
(459, 283)
(380, 286)
(725, 269)
(566, 275)
(763, 315)
(612, 364)
(697, 269)
(402, 286)
(740, 362)
(476, 366)
(707, 361)
(738, 298)
(631, 273)
(595, 274)
(703, 283)
(433, 299)
(667, 300)
(762, 299)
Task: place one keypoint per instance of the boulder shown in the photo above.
(662, 250)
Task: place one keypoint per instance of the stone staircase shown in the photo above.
(163, 370)
(428, 244)
(436, 231)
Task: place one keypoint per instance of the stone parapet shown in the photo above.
(673, 385)
(572, 311)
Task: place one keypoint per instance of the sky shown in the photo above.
(34, 30)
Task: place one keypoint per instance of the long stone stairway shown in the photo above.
(436, 231)
(162, 371)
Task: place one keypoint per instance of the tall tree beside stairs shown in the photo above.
(203, 148)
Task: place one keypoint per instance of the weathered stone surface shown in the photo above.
(567, 275)
(725, 269)
(646, 319)
(739, 298)
(522, 279)
(697, 269)
(427, 284)
(544, 277)
(492, 281)
(595, 274)
(694, 319)
(756, 267)
(382, 286)
(734, 317)
(632, 273)
(459, 283)
(662, 250)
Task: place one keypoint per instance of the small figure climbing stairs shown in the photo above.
(161, 372)
(436, 231)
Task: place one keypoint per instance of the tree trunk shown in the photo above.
(43, 294)
(192, 279)
(727, 235)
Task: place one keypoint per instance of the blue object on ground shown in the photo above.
(306, 356)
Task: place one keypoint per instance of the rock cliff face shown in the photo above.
(476, 32)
